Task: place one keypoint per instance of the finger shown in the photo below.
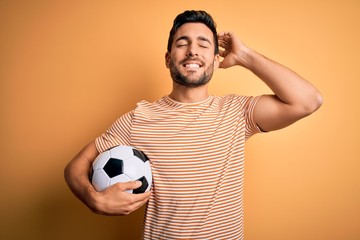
(224, 33)
(223, 65)
(222, 43)
(132, 202)
(138, 200)
(131, 185)
(141, 197)
(223, 53)
(222, 39)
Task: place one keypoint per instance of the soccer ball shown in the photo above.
(121, 164)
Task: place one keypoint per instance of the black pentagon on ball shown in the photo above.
(143, 187)
(114, 167)
(140, 155)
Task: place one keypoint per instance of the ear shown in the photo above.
(216, 61)
(167, 59)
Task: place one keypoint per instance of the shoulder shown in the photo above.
(157, 105)
(234, 99)
(148, 110)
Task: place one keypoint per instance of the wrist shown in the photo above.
(246, 57)
(253, 60)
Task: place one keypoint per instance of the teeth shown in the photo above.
(192, 65)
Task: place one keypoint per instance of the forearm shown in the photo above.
(287, 85)
(76, 175)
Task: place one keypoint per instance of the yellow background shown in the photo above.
(68, 69)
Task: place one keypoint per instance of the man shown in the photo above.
(195, 141)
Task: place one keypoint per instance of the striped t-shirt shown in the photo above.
(197, 157)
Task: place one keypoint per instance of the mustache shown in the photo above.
(195, 59)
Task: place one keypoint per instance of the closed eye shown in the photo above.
(203, 46)
(182, 41)
(204, 42)
(181, 45)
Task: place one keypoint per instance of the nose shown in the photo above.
(192, 51)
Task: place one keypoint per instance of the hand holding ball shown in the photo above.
(121, 164)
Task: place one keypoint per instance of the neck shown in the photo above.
(188, 94)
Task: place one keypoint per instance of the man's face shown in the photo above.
(192, 59)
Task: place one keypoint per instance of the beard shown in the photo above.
(190, 80)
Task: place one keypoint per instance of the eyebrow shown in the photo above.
(200, 38)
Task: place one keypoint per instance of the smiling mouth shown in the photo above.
(192, 65)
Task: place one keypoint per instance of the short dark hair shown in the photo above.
(193, 16)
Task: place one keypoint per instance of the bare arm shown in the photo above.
(294, 97)
(113, 200)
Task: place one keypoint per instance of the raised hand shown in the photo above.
(232, 50)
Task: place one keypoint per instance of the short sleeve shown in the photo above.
(251, 126)
(119, 133)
